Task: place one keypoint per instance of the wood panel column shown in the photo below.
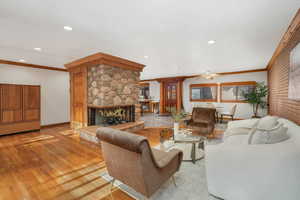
(162, 98)
(179, 95)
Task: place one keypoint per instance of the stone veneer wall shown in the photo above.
(113, 86)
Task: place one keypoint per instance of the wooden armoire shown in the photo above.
(19, 108)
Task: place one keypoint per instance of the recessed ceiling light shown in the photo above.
(22, 60)
(37, 49)
(68, 28)
(211, 42)
(146, 57)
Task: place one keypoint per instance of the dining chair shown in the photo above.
(230, 114)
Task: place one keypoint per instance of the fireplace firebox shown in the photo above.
(110, 115)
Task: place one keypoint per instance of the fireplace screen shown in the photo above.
(109, 116)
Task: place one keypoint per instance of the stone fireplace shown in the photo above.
(112, 86)
(112, 89)
(102, 83)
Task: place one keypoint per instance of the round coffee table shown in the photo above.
(187, 137)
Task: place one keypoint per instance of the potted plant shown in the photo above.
(177, 116)
(257, 98)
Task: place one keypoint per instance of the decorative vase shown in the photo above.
(176, 128)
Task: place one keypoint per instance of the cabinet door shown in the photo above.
(11, 103)
(1, 103)
(31, 96)
(78, 79)
(78, 98)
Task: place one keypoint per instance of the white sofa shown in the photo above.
(238, 171)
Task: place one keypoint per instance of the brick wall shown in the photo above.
(280, 105)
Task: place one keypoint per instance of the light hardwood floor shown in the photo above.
(55, 163)
(52, 164)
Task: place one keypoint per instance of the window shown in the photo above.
(204, 92)
(144, 90)
(233, 92)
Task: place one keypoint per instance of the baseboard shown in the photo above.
(56, 124)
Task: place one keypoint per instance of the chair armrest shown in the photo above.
(169, 156)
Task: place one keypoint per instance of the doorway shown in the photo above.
(170, 95)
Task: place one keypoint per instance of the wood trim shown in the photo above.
(179, 95)
(234, 84)
(238, 83)
(243, 72)
(204, 85)
(102, 58)
(203, 100)
(144, 84)
(85, 94)
(194, 76)
(53, 125)
(232, 101)
(101, 107)
(162, 98)
(286, 38)
(31, 65)
(171, 79)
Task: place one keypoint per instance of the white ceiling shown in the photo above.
(172, 33)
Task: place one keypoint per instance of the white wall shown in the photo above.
(243, 111)
(154, 90)
(55, 101)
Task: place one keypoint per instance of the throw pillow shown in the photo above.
(267, 123)
(277, 134)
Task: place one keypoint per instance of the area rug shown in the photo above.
(190, 180)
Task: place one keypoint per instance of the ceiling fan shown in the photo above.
(209, 75)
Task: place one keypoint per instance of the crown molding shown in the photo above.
(31, 65)
(286, 38)
(194, 76)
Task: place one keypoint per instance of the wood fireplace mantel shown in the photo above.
(101, 107)
(102, 58)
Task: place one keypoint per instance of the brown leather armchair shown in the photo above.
(203, 120)
(130, 159)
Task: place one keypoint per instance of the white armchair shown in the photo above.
(255, 172)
